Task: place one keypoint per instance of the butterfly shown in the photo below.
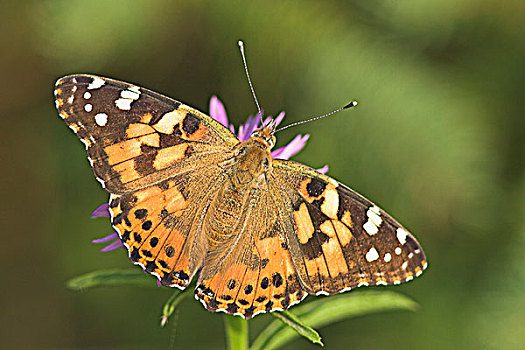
(190, 200)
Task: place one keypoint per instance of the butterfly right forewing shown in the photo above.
(338, 239)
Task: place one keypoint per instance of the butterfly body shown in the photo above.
(190, 200)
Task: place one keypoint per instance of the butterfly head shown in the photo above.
(265, 135)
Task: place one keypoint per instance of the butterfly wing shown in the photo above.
(158, 159)
(339, 240)
(252, 272)
(135, 137)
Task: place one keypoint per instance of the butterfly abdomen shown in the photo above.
(228, 206)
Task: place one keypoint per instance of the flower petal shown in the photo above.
(279, 119)
(245, 130)
(217, 111)
(292, 148)
(323, 170)
(112, 246)
(108, 238)
(266, 121)
(101, 211)
(241, 135)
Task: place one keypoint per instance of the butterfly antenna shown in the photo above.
(349, 105)
(241, 47)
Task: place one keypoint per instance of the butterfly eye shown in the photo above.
(240, 151)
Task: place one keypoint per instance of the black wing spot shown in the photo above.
(170, 251)
(147, 253)
(150, 266)
(269, 306)
(213, 305)
(231, 284)
(313, 248)
(147, 225)
(285, 302)
(167, 279)
(141, 213)
(135, 255)
(316, 187)
(248, 313)
(117, 220)
(125, 236)
(277, 279)
(232, 308)
(191, 123)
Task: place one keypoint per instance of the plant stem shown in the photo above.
(236, 332)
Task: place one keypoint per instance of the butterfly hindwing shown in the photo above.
(257, 274)
(161, 228)
(340, 240)
(247, 290)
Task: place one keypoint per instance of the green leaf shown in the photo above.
(326, 311)
(236, 332)
(299, 326)
(171, 305)
(111, 278)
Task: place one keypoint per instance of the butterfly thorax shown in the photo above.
(251, 162)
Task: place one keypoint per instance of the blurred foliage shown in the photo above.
(326, 311)
(437, 140)
(110, 278)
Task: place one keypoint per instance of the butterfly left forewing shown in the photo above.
(135, 137)
(339, 239)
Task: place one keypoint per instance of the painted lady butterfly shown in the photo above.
(187, 198)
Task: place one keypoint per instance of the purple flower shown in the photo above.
(218, 112)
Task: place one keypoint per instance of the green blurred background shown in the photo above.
(437, 140)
